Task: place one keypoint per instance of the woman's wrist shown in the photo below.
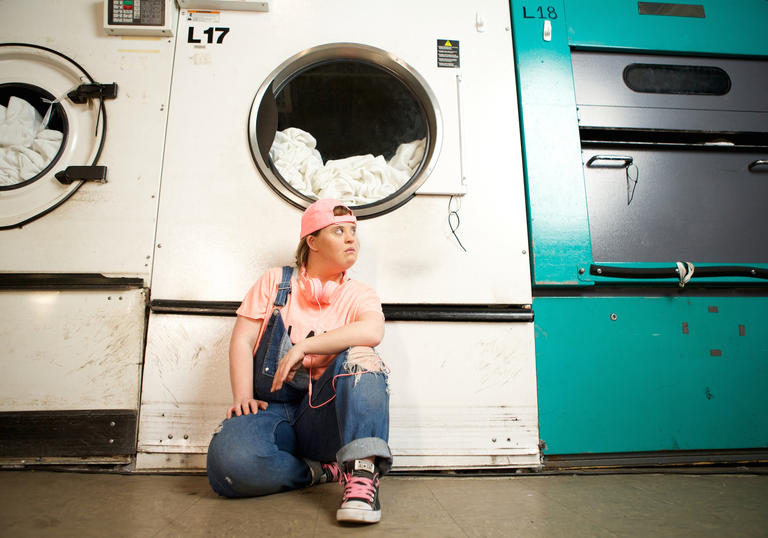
(301, 347)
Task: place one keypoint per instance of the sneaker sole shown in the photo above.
(354, 515)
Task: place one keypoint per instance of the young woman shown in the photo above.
(310, 400)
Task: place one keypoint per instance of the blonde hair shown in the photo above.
(302, 251)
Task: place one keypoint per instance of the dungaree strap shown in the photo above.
(284, 287)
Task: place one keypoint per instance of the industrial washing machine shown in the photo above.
(645, 128)
(82, 123)
(281, 102)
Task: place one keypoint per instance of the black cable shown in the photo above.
(454, 213)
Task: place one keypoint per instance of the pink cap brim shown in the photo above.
(320, 214)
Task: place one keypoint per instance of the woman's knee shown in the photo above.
(239, 461)
(364, 358)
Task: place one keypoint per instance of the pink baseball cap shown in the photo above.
(320, 214)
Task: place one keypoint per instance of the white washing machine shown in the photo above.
(82, 128)
(271, 108)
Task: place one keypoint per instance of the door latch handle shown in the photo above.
(82, 173)
(95, 90)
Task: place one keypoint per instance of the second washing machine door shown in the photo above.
(43, 131)
(345, 121)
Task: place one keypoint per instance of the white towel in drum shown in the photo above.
(355, 180)
(26, 146)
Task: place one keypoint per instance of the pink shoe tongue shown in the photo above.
(364, 465)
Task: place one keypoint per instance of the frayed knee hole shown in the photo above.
(365, 358)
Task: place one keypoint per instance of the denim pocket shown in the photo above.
(275, 343)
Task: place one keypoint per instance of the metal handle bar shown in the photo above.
(612, 161)
(757, 164)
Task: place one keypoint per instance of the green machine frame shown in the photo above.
(634, 371)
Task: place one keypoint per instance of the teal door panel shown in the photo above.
(732, 28)
(633, 374)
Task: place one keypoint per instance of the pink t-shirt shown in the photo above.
(347, 302)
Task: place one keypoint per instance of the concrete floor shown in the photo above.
(42, 503)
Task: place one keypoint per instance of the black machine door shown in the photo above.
(654, 205)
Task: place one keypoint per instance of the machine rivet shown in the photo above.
(159, 245)
(525, 252)
(170, 436)
(186, 436)
(614, 317)
(581, 270)
(111, 441)
(753, 271)
(493, 439)
(112, 424)
(599, 271)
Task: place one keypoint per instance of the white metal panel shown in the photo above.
(70, 350)
(243, 5)
(462, 395)
(218, 216)
(186, 388)
(105, 228)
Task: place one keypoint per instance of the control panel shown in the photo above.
(138, 17)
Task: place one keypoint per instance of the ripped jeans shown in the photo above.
(264, 453)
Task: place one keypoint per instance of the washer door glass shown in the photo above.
(345, 121)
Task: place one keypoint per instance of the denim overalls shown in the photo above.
(263, 453)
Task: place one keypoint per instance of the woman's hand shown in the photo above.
(288, 366)
(246, 407)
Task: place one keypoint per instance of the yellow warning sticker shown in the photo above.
(448, 53)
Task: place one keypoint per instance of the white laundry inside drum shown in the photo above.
(27, 146)
(354, 180)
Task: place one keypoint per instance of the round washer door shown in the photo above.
(43, 77)
(345, 121)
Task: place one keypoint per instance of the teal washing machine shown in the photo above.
(645, 139)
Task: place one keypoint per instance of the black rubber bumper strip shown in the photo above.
(671, 272)
(392, 312)
(66, 281)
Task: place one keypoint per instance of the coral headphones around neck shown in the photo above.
(314, 290)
